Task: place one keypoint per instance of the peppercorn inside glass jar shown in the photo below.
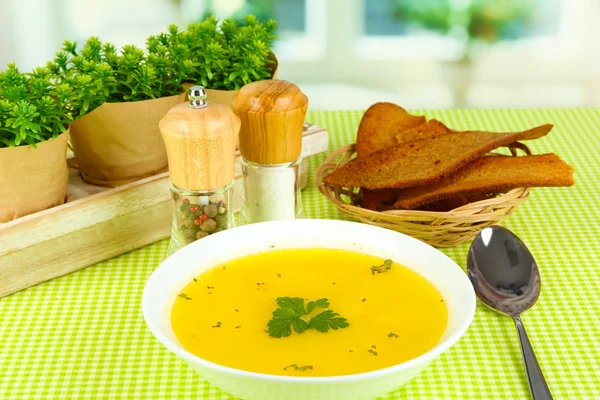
(199, 213)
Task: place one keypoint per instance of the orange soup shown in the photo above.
(309, 312)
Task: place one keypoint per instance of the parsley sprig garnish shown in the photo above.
(292, 314)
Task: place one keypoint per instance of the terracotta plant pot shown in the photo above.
(119, 143)
(33, 179)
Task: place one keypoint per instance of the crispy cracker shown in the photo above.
(492, 174)
(380, 124)
(423, 161)
(433, 127)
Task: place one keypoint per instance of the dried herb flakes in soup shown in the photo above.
(297, 367)
(378, 269)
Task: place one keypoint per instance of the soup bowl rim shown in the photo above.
(422, 359)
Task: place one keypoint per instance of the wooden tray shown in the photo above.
(97, 223)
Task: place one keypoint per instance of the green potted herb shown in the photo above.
(121, 97)
(34, 119)
(226, 56)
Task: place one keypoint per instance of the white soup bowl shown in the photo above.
(189, 262)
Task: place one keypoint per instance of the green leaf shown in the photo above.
(326, 320)
(295, 304)
(300, 325)
(280, 327)
(323, 303)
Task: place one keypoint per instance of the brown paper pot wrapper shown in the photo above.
(33, 179)
(119, 143)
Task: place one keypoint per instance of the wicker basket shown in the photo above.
(439, 229)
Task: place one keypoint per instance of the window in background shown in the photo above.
(381, 21)
(467, 22)
(485, 19)
(351, 53)
(458, 53)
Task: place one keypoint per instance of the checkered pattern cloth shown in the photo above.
(83, 335)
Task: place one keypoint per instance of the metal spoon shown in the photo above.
(506, 278)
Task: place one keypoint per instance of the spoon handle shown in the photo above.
(537, 383)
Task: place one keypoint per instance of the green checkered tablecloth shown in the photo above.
(83, 335)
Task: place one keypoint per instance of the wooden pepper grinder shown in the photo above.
(272, 114)
(200, 139)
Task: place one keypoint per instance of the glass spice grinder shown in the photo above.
(200, 139)
(272, 115)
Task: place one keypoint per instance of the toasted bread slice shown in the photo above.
(385, 199)
(383, 125)
(451, 203)
(424, 161)
(433, 127)
(379, 199)
(492, 174)
(379, 126)
(444, 204)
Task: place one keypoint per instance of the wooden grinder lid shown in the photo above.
(200, 139)
(272, 114)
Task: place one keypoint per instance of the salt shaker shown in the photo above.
(272, 115)
(200, 139)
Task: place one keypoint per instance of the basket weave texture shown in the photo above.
(438, 229)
